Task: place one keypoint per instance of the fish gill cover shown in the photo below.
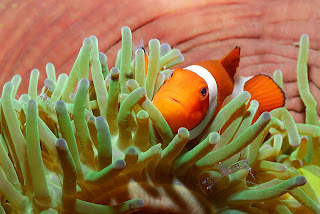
(95, 149)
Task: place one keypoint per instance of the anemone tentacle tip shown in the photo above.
(183, 132)
(305, 36)
(87, 43)
(119, 164)
(61, 144)
(301, 180)
(132, 151)
(266, 115)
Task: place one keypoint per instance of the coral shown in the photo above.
(105, 148)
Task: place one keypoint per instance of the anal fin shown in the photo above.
(263, 89)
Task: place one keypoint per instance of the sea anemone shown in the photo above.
(105, 148)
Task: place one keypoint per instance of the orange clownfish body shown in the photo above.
(194, 95)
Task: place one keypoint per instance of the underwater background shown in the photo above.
(126, 175)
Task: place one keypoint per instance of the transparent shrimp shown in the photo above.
(241, 164)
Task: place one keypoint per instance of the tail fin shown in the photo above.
(263, 89)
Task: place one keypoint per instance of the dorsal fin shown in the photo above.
(230, 62)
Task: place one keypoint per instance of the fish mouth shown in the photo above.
(176, 100)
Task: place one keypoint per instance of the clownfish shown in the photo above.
(192, 96)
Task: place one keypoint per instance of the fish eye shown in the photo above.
(204, 92)
(171, 74)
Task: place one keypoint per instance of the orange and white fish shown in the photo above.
(194, 95)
